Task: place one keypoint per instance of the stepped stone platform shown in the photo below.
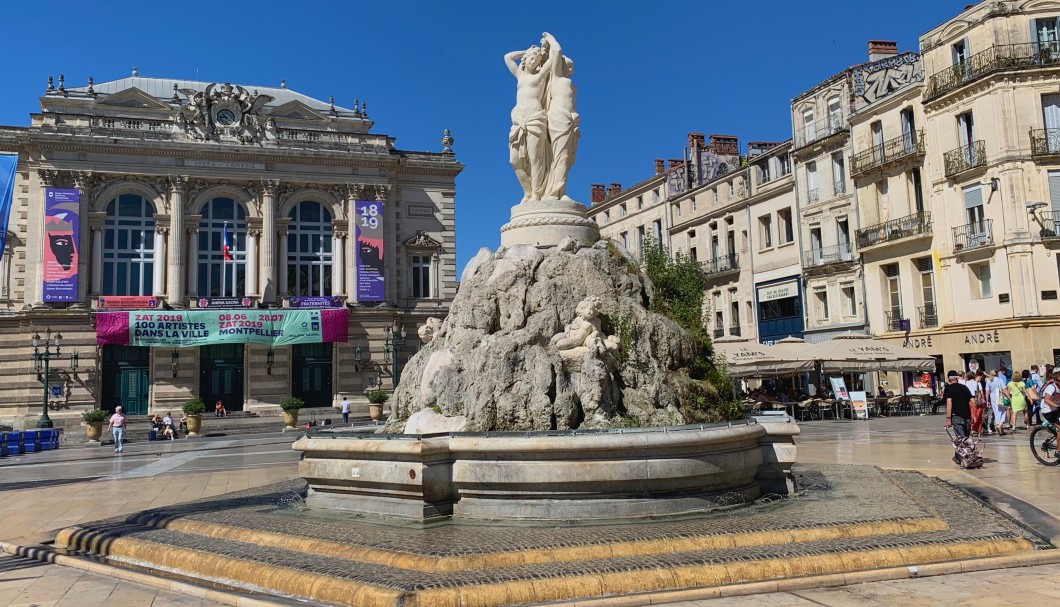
(848, 519)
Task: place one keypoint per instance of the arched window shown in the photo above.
(219, 277)
(129, 246)
(309, 250)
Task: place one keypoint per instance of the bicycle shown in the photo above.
(1044, 448)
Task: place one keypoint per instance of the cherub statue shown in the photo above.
(583, 335)
(430, 329)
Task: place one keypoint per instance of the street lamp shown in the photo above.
(394, 341)
(42, 355)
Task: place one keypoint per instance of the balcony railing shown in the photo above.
(813, 195)
(1045, 142)
(722, 264)
(827, 127)
(928, 315)
(895, 229)
(908, 145)
(826, 256)
(973, 235)
(734, 331)
(996, 58)
(1050, 225)
(894, 319)
(964, 158)
(839, 187)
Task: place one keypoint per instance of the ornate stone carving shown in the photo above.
(177, 184)
(447, 142)
(49, 177)
(223, 113)
(355, 191)
(381, 192)
(270, 186)
(583, 336)
(422, 240)
(430, 329)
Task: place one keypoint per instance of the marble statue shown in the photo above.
(583, 335)
(544, 133)
(430, 329)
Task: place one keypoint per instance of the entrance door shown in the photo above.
(221, 376)
(311, 374)
(126, 379)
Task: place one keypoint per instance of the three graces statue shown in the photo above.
(544, 135)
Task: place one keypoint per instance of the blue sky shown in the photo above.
(647, 72)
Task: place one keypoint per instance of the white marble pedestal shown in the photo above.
(544, 223)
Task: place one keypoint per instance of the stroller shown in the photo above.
(968, 451)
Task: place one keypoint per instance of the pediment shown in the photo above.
(1041, 5)
(296, 110)
(133, 97)
(422, 240)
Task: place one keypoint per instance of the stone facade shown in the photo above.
(284, 169)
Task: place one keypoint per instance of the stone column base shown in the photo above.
(544, 223)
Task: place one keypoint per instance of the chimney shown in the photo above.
(696, 140)
(597, 193)
(614, 190)
(725, 145)
(660, 166)
(676, 162)
(881, 49)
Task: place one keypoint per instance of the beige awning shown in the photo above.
(752, 359)
(857, 353)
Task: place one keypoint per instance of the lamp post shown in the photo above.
(394, 340)
(42, 355)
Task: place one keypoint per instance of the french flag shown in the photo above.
(226, 246)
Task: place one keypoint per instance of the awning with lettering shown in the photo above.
(857, 353)
(752, 359)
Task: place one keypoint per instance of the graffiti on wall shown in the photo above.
(874, 81)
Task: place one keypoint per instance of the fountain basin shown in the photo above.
(571, 475)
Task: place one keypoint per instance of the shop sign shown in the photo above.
(369, 221)
(62, 220)
(981, 338)
(859, 403)
(839, 388)
(127, 302)
(207, 327)
(226, 303)
(919, 342)
(780, 291)
(315, 302)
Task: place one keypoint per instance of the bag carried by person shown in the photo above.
(1031, 393)
(968, 451)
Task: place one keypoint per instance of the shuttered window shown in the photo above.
(1054, 190)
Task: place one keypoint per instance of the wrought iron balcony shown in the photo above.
(722, 264)
(928, 316)
(1045, 142)
(893, 151)
(839, 187)
(973, 235)
(964, 158)
(918, 224)
(827, 127)
(813, 195)
(734, 331)
(1050, 224)
(894, 319)
(827, 256)
(1027, 55)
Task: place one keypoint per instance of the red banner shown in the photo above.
(127, 302)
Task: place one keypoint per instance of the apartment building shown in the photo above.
(629, 217)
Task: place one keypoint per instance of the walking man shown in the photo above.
(958, 408)
(117, 428)
(345, 410)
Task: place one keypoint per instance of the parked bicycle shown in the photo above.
(1043, 444)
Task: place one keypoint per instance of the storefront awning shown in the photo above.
(752, 359)
(857, 353)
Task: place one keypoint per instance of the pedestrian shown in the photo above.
(345, 410)
(983, 400)
(976, 409)
(994, 391)
(117, 428)
(958, 408)
(1017, 395)
(1051, 398)
(1034, 390)
(167, 427)
(219, 409)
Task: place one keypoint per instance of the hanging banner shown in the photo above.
(218, 303)
(127, 302)
(369, 218)
(315, 302)
(207, 327)
(8, 163)
(62, 208)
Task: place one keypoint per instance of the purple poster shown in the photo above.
(62, 208)
(369, 250)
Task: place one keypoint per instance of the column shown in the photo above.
(436, 276)
(175, 294)
(160, 261)
(97, 260)
(252, 262)
(193, 259)
(338, 264)
(267, 288)
(354, 192)
(281, 288)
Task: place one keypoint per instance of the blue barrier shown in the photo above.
(31, 440)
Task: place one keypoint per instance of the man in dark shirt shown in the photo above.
(958, 408)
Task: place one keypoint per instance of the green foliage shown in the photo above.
(94, 415)
(680, 285)
(378, 397)
(291, 403)
(625, 421)
(194, 406)
(437, 409)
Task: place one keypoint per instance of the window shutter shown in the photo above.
(891, 270)
(973, 197)
(1054, 190)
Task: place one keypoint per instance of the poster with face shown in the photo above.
(369, 217)
(62, 209)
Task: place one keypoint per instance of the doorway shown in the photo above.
(311, 374)
(221, 376)
(126, 379)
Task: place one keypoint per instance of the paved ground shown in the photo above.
(42, 493)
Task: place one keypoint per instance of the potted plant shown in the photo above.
(290, 406)
(193, 410)
(376, 398)
(93, 419)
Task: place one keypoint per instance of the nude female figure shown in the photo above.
(528, 146)
(563, 120)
